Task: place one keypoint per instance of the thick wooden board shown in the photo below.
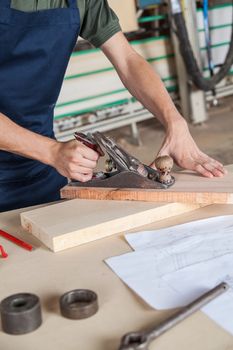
(189, 188)
(72, 223)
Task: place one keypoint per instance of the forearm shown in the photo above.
(145, 84)
(15, 139)
(71, 159)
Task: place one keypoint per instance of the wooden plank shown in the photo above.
(72, 223)
(189, 188)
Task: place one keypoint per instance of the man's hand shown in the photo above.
(71, 159)
(74, 160)
(179, 144)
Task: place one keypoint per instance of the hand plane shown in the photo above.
(122, 169)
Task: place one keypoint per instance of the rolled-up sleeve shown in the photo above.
(100, 22)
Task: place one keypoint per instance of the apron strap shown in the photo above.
(5, 3)
(71, 3)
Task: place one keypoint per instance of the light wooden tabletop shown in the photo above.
(49, 275)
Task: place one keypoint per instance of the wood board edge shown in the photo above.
(129, 222)
(69, 192)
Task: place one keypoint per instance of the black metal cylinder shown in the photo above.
(20, 313)
(78, 304)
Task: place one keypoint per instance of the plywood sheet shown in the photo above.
(72, 223)
(189, 188)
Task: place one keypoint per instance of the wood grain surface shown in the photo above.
(72, 223)
(189, 188)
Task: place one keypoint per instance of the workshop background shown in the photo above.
(79, 246)
(94, 98)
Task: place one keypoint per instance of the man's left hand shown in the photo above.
(179, 144)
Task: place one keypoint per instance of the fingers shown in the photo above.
(209, 167)
(216, 168)
(213, 169)
(219, 166)
(81, 177)
(83, 161)
(79, 172)
(90, 164)
(80, 169)
(87, 152)
(202, 170)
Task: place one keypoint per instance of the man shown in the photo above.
(35, 47)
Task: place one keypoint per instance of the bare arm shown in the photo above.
(71, 159)
(143, 83)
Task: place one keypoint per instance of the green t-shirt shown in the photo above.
(98, 21)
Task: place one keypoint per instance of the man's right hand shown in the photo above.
(74, 160)
(71, 159)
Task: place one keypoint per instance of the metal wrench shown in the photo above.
(142, 340)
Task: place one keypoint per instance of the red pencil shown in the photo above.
(3, 252)
(15, 240)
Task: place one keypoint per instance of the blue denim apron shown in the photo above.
(35, 48)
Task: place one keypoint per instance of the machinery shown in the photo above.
(95, 99)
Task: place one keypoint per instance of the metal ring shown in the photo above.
(79, 304)
(20, 313)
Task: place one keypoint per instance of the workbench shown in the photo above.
(50, 275)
